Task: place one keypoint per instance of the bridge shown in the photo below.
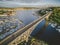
(23, 33)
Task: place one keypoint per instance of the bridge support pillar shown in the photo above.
(46, 24)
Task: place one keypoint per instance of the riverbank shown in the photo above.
(48, 35)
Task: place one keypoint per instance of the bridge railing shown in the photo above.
(22, 30)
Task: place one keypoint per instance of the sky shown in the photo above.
(29, 3)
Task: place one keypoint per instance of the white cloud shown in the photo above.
(31, 3)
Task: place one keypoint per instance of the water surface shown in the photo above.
(48, 34)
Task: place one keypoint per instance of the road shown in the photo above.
(19, 32)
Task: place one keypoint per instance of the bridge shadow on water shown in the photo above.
(47, 34)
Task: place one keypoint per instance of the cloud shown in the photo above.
(30, 3)
(23, 1)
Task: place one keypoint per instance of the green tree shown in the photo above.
(55, 17)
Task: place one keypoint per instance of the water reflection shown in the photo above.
(9, 25)
(48, 34)
(26, 16)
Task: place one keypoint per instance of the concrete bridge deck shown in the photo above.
(11, 40)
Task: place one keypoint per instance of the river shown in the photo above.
(48, 34)
(27, 16)
(42, 32)
(14, 23)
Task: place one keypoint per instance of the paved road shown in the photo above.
(19, 32)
